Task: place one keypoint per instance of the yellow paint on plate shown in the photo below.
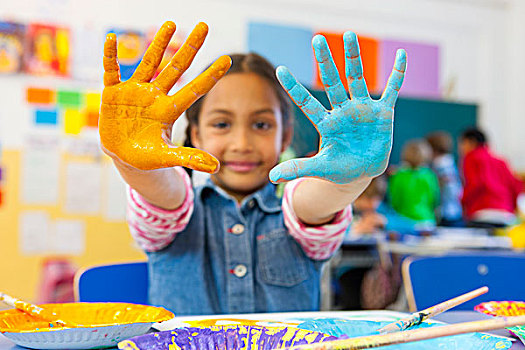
(224, 321)
(88, 315)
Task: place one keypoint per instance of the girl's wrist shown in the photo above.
(356, 184)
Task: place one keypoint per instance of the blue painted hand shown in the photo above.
(356, 135)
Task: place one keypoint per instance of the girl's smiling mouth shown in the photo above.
(241, 166)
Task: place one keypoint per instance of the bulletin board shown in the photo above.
(24, 251)
(62, 199)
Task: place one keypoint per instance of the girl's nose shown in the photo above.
(242, 142)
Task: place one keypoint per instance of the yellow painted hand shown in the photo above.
(137, 115)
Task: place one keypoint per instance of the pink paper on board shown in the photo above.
(422, 76)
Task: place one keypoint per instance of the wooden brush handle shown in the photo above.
(374, 341)
(35, 310)
(418, 317)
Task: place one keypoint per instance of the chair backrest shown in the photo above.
(431, 280)
(127, 282)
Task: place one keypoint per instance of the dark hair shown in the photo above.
(475, 135)
(440, 141)
(247, 63)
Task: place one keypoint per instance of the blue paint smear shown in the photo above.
(355, 328)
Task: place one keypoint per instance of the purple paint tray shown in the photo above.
(225, 338)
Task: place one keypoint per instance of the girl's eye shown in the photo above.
(262, 125)
(221, 125)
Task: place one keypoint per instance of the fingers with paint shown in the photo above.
(356, 134)
(137, 115)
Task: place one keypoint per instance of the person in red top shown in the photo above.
(491, 190)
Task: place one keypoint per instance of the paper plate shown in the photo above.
(505, 308)
(100, 325)
(355, 328)
(225, 338)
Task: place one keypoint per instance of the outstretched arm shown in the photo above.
(137, 116)
(356, 135)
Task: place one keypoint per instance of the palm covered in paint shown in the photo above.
(356, 135)
(137, 115)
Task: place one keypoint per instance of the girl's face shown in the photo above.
(240, 123)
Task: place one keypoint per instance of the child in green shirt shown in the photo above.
(413, 190)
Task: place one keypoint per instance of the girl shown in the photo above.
(232, 246)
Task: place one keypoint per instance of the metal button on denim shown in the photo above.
(240, 270)
(237, 229)
(251, 203)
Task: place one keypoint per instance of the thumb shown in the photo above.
(292, 169)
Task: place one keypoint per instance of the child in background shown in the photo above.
(372, 214)
(230, 245)
(365, 210)
(413, 190)
(491, 190)
(449, 182)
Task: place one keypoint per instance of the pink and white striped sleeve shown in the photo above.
(318, 242)
(154, 228)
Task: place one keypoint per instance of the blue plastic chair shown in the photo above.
(431, 280)
(127, 282)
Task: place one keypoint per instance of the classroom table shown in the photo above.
(466, 316)
(362, 251)
(446, 240)
(365, 251)
(449, 317)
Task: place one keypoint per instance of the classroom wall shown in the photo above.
(21, 262)
(481, 62)
(481, 40)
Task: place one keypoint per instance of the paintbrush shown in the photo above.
(374, 341)
(36, 311)
(418, 317)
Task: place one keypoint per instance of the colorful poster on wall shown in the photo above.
(131, 45)
(293, 48)
(93, 100)
(422, 76)
(11, 47)
(369, 49)
(48, 50)
(75, 110)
